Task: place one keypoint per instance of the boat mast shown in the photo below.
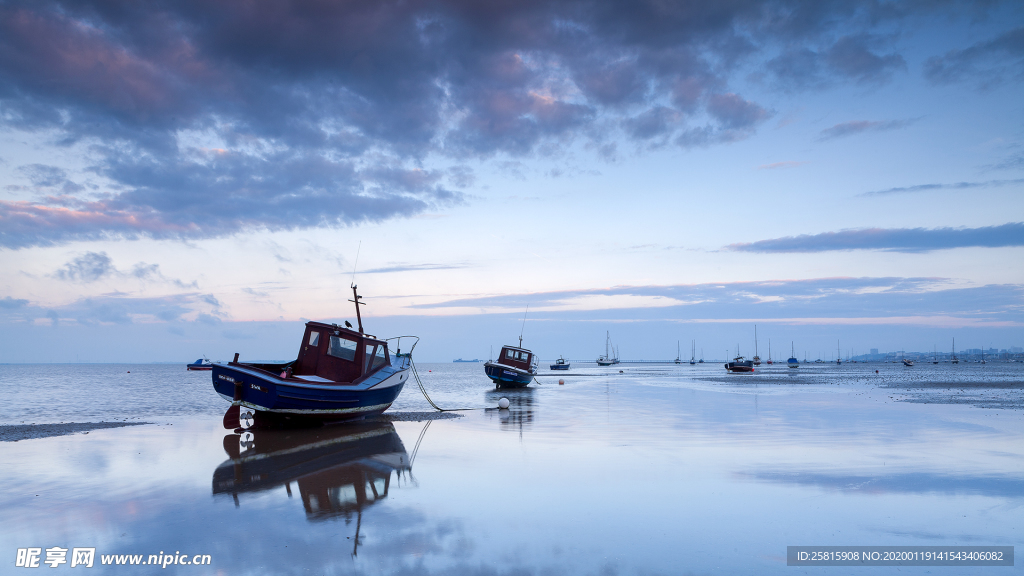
(357, 297)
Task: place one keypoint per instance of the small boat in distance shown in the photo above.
(678, 361)
(839, 354)
(608, 359)
(770, 352)
(560, 364)
(200, 364)
(739, 364)
(339, 374)
(757, 359)
(461, 360)
(693, 352)
(701, 361)
(792, 362)
(952, 356)
(515, 367)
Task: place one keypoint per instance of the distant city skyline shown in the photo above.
(188, 179)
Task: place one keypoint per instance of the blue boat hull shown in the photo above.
(293, 398)
(507, 376)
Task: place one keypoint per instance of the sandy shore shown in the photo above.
(13, 433)
(413, 416)
(1001, 395)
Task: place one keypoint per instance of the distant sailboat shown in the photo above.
(756, 359)
(693, 352)
(793, 362)
(839, 354)
(701, 361)
(608, 359)
(678, 361)
(952, 354)
(769, 351)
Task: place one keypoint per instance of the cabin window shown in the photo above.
(510, 354)
(343, 348)
(376, 359)
(369, 359)
(380, 358)
(314, 338)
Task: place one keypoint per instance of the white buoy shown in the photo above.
(561, 382)
(503, 403)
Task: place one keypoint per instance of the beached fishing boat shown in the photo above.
(739, 364)
(339, 374)
(515, 367)
(200, 364)
(611, 355)
(560, 364)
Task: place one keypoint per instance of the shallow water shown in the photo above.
(654, 470)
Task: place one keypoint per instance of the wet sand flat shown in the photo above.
(16, 432)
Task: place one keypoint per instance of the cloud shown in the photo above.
(819, 301)
(859, 126)
(89, 267)
(207, 119)
(850, 58)
(995, 486)
(893, 240)
(989, 62)
(9, 303)
(93, 266)
(954, 186)
(413, 268)
(784, 164)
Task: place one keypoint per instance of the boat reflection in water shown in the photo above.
(520, 407)
(339, 470)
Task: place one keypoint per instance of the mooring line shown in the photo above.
(419, 382)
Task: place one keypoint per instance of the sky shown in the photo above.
(184, 179)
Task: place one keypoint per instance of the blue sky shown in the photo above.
(179, 179)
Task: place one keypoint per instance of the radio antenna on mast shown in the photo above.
(356, 264)
(524, 326)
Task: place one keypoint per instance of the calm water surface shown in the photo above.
(655, 470)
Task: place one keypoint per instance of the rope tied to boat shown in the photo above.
(419, 383)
